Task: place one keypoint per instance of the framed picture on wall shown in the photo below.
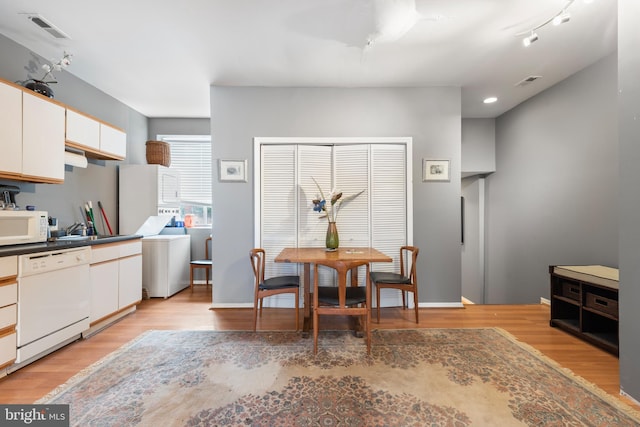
(233, 170)
(435, 170)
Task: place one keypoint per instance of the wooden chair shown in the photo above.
(272, 286)
(206, 263)
(406, 281)
(342, 300)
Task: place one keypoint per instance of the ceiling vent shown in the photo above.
(48, 27)
(527, 80)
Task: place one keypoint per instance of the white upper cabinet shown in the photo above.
(34, 131)
(82, 131)
(113, 141)
(42, 139)
(97, 139)
(10, 130)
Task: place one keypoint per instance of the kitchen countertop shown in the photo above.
(63, 244)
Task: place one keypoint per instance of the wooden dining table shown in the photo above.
(308, 256)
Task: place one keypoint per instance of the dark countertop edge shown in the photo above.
(52, 246)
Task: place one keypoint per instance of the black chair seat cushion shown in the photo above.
(201, 262)
(280, 282)
(384, 277)
(329, 295)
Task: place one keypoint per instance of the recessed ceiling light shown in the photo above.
(490, 100)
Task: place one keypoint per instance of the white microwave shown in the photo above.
(19, 227)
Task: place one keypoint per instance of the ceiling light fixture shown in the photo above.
(530, 39)
(490, 100)
(559, 18)
(562, 18)
(393, 20)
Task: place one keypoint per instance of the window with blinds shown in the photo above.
(191, 157)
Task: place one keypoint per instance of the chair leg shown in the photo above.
(415, 304)
(404, 300)
(315, 331)
(191, 277)
(297, 297)
(368, 326)
(255, 313)
(378, 302)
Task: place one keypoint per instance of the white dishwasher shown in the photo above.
(53, 301)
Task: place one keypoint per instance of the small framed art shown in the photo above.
(233, 170)
(435, 170)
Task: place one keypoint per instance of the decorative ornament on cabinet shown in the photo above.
(41, 85)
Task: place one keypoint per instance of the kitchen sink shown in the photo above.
(73, 238)
(78, 238)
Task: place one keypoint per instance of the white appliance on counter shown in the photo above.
(53, 301)
(21, 227)
(144, 191)
(165, 264)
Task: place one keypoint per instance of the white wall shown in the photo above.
(430, 115)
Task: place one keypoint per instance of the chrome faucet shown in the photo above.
(73, 227)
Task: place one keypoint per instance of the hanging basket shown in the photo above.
(158, 153)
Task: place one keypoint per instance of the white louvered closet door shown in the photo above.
(378, 217)
(389, 217)
(278, 202)
(389, 202)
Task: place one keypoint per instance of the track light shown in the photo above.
(530, 39)
(557, 19)
(561, 18)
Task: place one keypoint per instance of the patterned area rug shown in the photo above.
(435, 377)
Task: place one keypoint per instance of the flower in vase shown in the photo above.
(63, 63)
(330, 210)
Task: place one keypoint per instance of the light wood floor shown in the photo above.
(528, 323)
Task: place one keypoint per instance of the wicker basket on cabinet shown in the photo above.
(158, 153)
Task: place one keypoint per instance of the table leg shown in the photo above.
(356, 321)
(306, 322)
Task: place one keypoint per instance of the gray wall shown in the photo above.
(629, 206)
(553, 197)
(478, 146)
(430, 115)
(472, 258)
(98, 181)
(478, 160)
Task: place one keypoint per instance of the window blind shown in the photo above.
(191, 156)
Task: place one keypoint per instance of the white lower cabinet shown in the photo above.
(8, 311)
(104, 290)
(116, 281)
(129, 280)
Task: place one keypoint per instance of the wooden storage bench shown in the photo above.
(584, 302)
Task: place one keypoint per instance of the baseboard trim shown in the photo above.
(441, 305)
(231, 305)
(545, 301)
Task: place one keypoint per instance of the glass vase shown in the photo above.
(332, 240)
